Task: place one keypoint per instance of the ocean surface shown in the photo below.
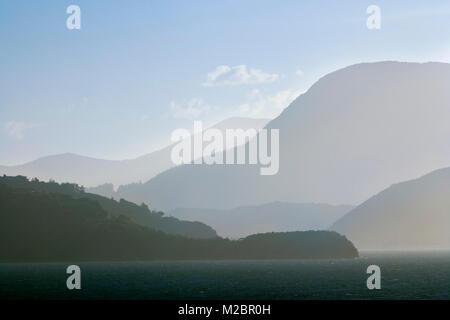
(408, 275)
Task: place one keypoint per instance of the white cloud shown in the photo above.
(237, 75)
(15, 129)
(193, 109)
(299, 72)
(267, 106)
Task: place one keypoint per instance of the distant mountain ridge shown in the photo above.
(410, 215)
(91, 172)
(271, 217)
(354, 132)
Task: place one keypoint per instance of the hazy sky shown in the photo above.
(139, 69)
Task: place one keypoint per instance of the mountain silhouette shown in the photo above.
(354, 132)
(410, 215)
(38, 224)
(91, 172)
(139, 214)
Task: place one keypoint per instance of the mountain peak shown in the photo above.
(335, 142)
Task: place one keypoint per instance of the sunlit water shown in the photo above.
(403, 276)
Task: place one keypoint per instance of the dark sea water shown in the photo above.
(424, 275)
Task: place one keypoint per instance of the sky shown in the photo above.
(137, 70)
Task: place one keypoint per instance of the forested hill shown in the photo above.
(142, 215)
(45, 226)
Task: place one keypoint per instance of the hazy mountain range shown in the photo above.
(410, 215)
(271, 217)
(353, 133)
(91, 172)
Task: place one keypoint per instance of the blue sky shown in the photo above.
(137, 70)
